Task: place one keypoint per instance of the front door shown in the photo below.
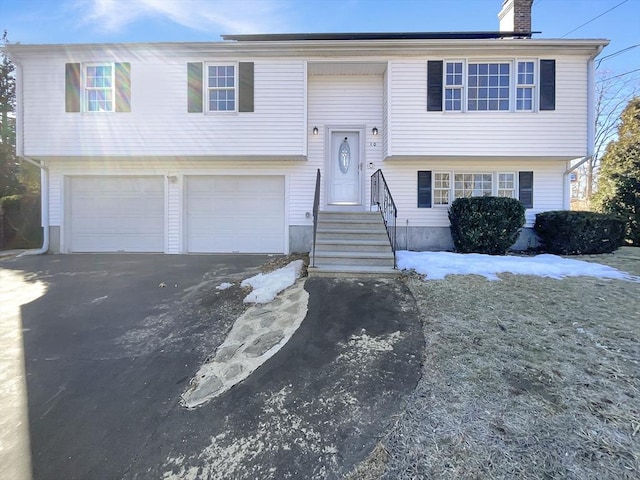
(344, 168)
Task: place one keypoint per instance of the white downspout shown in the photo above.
(44, 206)
(44, 171)
(591, 125)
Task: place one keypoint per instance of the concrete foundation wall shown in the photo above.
(412, 238)
(300, 238)
(54, 240)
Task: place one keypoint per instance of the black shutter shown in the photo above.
(245, 85)
(72, 87)
(424, 189)
(547, 84)
(525, 188)
(123, 87)
(434, 86)
(194, 87)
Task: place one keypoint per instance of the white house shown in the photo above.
(214, 147)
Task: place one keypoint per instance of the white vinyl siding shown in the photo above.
(343, 101)
(159, 124)
(548, 190)
(561, 133)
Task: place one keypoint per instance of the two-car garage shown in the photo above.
(218, 214)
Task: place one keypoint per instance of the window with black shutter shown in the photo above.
(424, 189)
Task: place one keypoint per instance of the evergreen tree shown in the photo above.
(619, 182)
(9, 182)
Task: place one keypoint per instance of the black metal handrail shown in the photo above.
(381, 196)
(316, 206)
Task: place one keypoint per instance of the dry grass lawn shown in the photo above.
(526, 377)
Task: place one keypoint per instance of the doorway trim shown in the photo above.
(329, 131)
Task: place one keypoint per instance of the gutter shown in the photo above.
(591, 123)
(44, 206)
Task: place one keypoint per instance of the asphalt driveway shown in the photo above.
(112, 341)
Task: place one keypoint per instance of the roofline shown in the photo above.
(369, 48)
(284, 37)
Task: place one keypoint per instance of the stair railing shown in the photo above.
(316, 206)
(381, 197)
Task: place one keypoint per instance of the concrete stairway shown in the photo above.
(352, 244)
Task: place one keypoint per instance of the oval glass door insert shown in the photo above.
(344, 156)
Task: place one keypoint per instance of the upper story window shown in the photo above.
(488, 86)
(453, 87)
(500, 86)
(525, 85)
(221, 83)
(99, 88)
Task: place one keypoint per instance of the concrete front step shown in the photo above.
(354, 257)
(352, 244)
(350, 234)
(347, 271)
(360, 245)
(350, 216)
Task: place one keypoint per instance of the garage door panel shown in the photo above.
(116, 214)
(235, 214)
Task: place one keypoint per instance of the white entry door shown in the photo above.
(344, 183)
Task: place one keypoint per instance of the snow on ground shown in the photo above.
(267, 285)
(224, 286)
(437, 265)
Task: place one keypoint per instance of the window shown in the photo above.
(488, 86)
(501, 184)
(99, 83)
(472, 185)
(507, 185)
(453, 87)
(221, 88)
(441, 188)
(97, 87)
(514, 85)
(525, 85)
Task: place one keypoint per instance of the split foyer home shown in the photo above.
(217, 146)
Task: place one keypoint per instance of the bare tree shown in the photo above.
(613, 92)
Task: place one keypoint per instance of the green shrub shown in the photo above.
(577, 233)
(485, 224)
(20, 217)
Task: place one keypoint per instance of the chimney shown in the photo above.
(515, 16)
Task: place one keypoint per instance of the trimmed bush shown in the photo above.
(485, 224)
(577, 233)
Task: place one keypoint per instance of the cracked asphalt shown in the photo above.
(108, 353)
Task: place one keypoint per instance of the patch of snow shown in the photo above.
(267, 285)
(224, 286)
(437, 265)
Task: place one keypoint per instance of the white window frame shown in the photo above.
(233, 88)
(86, 89)
(524, 85)
(513, 84)
(462, 87)
(498, 87)
(435, 188)
(514, 189)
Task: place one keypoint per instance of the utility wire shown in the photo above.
(594, 18)
(616, 76)
(619, 52)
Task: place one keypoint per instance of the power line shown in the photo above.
(620, 75)
(619, 52)
(594, 18)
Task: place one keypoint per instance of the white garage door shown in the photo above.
(116, 214)
(242, 214)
